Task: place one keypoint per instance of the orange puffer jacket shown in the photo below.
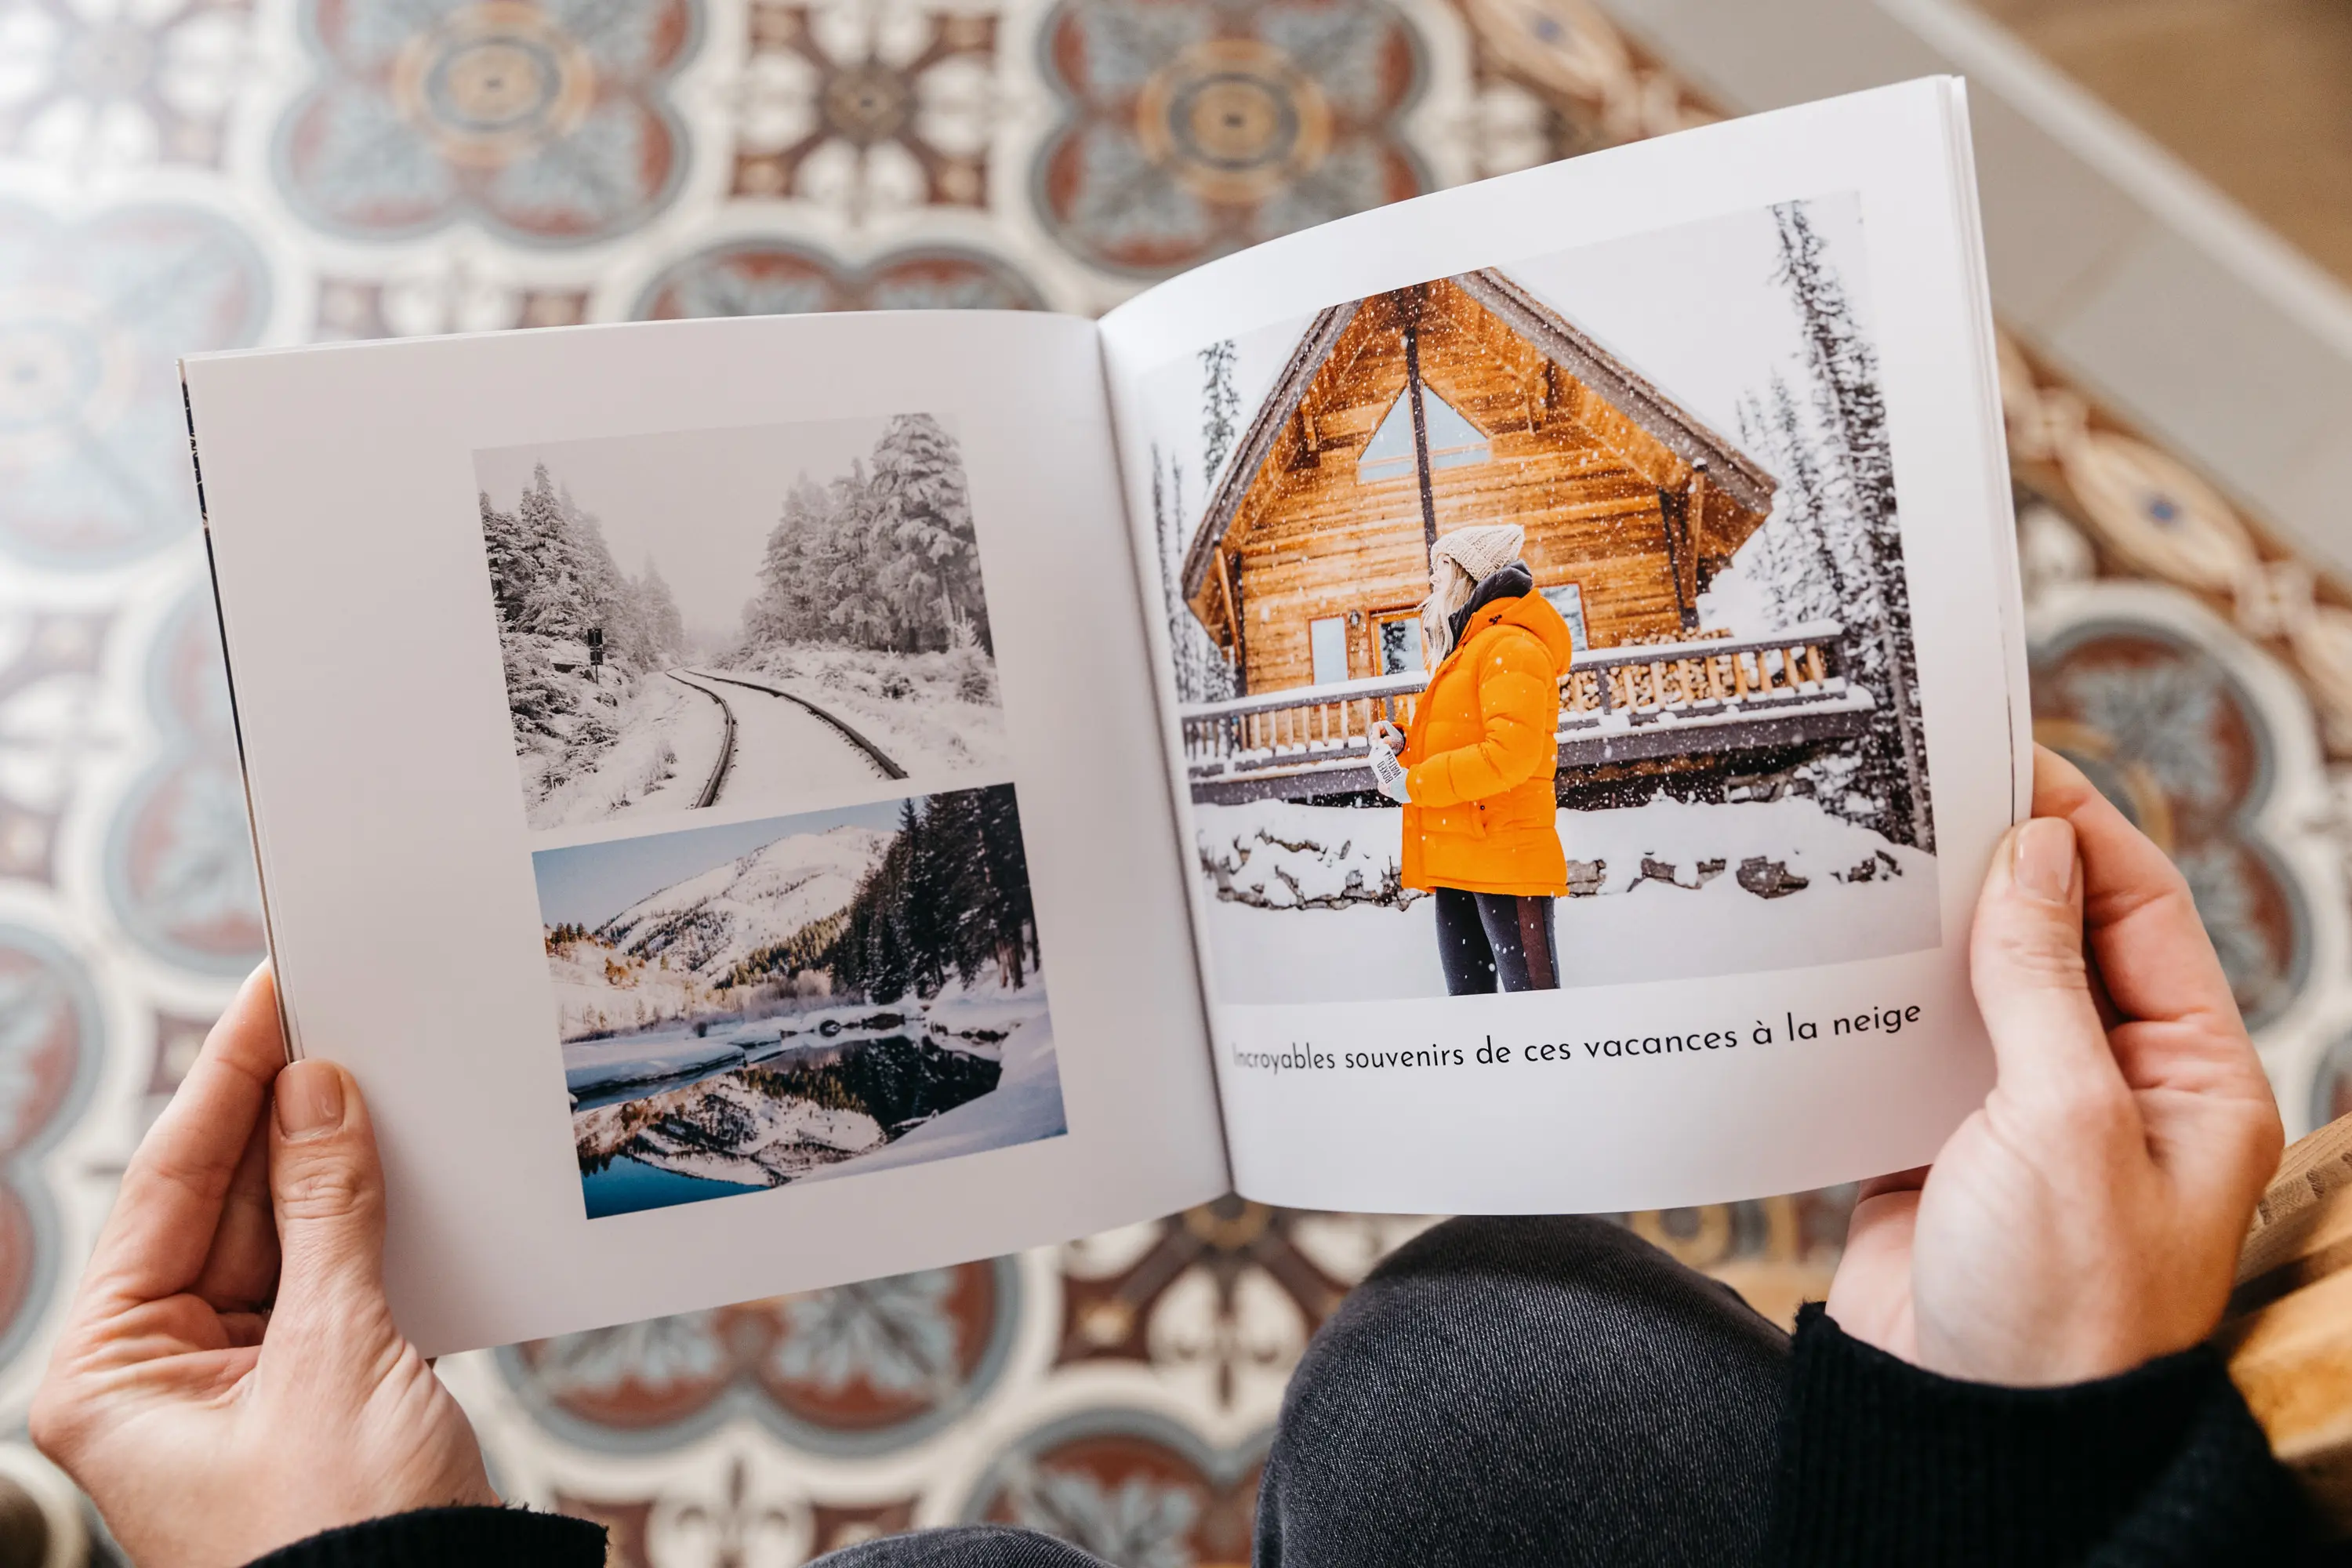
(1481, 754)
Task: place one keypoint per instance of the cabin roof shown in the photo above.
(1559, 339)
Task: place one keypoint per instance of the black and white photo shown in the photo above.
(763, 616)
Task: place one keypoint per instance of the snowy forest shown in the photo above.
(951, 898)
(867, 636)
(1833, 548)
(884, 557)
(554, 583)
(1203, 673)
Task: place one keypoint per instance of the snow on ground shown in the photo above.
(1675, 898)
(931, 712)
(665, 742)
(598, 989)
(591, 1066)
(1281, 855)
(786, 756)
(1025, 1105)
(977, 1019)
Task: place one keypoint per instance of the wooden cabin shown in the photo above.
(1444, 405)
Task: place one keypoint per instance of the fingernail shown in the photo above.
(2044, 860)
(309, 1098)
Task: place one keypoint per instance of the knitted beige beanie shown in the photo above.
(1481, 552)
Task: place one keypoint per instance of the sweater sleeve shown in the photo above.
(1518, 711)
(1882, 1462)
(454, 1537)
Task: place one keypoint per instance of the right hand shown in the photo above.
(1388, 734)
(229, 1379)
(2088, 1218)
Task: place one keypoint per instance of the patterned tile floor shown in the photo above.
(180, 174)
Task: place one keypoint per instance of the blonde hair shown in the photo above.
(1450, 587)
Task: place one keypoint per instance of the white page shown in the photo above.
(411, 922)
(1706, 1041)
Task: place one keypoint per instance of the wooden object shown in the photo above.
(2288, 1330)
(1622, 491)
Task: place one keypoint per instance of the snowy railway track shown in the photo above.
(881, 758)
(718, 779)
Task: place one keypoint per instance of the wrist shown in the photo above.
(1885, 1461)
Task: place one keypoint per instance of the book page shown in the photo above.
(707, 789)
(1648, 510)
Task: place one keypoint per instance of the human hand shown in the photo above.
(1387, 734)
(2087, 1218)
(229, 1379)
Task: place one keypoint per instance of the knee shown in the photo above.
(1499, 1381)
(963, 1546)
(1565, 1316)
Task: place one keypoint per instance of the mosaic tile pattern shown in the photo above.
(202, 173)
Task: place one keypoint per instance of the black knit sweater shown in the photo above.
(1880, 1463)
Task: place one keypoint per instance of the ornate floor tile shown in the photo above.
(779, 276)
(547, 122)
(51, 1036)
(1189, 129)
(93, 310)
(87, 85)
(856, 1371)
(1130, 1486)
(863, 107)
(179, 860)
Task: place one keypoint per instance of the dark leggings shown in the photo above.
(1500, 1393)
(1490, 942)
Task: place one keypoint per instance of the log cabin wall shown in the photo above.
(1310, 540)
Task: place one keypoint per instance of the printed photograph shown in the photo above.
(1546, 626)
(745, 1006)
(767, 615)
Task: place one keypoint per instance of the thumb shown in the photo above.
(326, 1185)
(2026, 964)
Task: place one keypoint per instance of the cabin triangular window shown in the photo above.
(1454, 441)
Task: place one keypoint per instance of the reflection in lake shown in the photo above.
(765, 1123)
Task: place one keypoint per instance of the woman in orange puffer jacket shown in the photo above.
(1474, 772)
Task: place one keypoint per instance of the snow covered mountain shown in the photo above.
(708, 923)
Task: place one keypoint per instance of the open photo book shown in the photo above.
(1497, 704)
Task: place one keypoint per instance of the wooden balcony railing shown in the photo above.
(1700, 689)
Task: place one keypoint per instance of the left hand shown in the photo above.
(2087, 1218)
(229, 1379)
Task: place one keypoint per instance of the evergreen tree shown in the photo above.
(1221, 407)
(1853, 501)
(664, 627)
(1202, 670)
(884, 558)
(950, 894)
(1800, 572)
(929, 556)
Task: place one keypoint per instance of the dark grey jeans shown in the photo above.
(1500, 1391)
